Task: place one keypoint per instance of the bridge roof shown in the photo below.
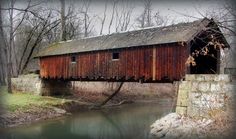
(181, 32)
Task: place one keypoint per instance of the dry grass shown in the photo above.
(224, 122)
(25, 101)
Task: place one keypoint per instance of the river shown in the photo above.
(129, 121)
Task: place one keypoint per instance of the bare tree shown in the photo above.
(140, 20)
(112, 15)
(54, 35)
(160, 20)
(123, 16)
(103, 19)
(73, 25)
(148, 12)
(225, 20)
(86, 18)
(34, 38)
(39, 25)
(145, 19)
(63, 21)
(9, 48)
(11, 57)
(2, 52)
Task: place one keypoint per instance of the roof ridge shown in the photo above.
(141, 37)
(139, 29)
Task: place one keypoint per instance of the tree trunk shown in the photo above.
(112, 16)
(2, 53)
(9, 88)
(9, 50)
(63, 21)
(148, 13)
(2, 66)
(104, 18)
(85, 25)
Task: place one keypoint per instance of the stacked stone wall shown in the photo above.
(201, 95)
(31, 83)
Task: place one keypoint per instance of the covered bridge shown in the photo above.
(154, 54)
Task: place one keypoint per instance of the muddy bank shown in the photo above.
(11, 119)
(37, 113)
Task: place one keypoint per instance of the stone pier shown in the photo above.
(201, 95)
(31, 83)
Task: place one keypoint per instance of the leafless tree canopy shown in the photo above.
(150, 17)
(225, 18)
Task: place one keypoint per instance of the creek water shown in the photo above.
(129, 121)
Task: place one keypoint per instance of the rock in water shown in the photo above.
(161, 127)
(175, 126)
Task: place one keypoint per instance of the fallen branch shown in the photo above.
(109, 98)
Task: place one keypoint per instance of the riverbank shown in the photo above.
(24, 108)
(218, 126)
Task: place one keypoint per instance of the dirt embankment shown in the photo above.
(36, 113)
(18, 117)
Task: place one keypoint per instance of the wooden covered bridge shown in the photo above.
(156, 54)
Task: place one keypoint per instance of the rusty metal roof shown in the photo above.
(181, 32)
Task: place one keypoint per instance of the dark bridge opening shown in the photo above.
(206, 55)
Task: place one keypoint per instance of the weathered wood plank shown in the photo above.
(152, 62)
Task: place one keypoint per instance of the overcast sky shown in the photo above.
(174, 10)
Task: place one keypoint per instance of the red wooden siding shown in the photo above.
(152, 63)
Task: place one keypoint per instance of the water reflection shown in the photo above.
(125, 122)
